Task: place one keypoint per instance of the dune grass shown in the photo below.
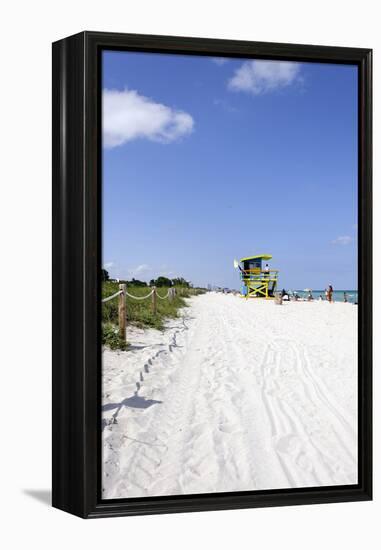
(139, 312)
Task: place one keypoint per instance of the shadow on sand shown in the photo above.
(135, 402)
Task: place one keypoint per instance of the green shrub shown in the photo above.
(111, 338)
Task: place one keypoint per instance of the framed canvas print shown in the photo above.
(212, 278)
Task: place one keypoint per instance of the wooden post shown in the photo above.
(154, 299)
(170, 294)
(122, 312)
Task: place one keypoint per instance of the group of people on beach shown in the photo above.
(294, 295)
(328, 295)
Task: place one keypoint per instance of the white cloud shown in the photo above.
(220, 60)
(258, 77)
(107, 265)
(128, 116)
(343, 240)
(138, 270)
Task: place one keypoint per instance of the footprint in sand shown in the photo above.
(229, 428)
(289, 444)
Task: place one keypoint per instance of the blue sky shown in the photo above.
(206, 160)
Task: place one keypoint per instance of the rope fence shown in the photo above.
(164, 297)
(122, 293)
(140, 297)
(111, 297)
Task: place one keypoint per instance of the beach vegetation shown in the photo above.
(140, 313)
(161, 281)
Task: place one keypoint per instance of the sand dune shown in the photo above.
(234, 395)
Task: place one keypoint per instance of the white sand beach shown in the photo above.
(235, 395)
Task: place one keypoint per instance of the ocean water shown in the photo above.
(338, 295)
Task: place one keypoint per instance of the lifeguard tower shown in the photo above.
(257, 281)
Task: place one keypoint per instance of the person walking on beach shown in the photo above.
(330, 294)
(345, 298)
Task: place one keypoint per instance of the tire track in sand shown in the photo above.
(305, 421)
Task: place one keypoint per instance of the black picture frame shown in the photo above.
(76, 274)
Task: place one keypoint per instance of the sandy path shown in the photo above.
(236, 395)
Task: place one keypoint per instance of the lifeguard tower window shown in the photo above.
(252, 264)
